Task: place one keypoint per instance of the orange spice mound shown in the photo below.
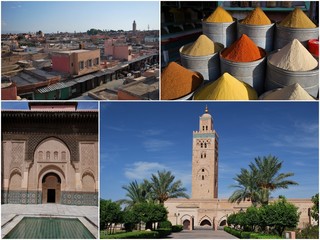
(256, 17)
(243, 50)
(177, 81)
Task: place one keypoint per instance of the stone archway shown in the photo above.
(205, 223)
(51, 188)
(223, 223)
(186, 224)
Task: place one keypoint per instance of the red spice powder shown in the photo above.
(243, 50)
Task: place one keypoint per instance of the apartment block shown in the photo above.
(76, 62)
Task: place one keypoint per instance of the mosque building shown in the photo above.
(205, 209)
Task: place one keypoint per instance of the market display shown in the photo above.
(265, 62)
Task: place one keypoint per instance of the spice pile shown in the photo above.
(243, 50)
(293, 57)
(292, 92)
(220, 16)
(256, 17)
(203, 46)
(177, 81)
(226, 88)
(297, 19)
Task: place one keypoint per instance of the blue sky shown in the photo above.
(137, 139)
(22, 105)
(80, 16)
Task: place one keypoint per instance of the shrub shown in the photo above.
(227, 229)
(177, 228)
(165, 224)
(245, 235)
(138, 234)
(234, 232)
(266, 236)
(310, 232)
(164, 232)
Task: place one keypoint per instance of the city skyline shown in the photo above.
(79, 16)
(142, 138)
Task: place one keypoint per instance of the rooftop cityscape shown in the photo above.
(80, 64)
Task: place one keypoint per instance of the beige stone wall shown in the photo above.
(217, 210)
(13, 153)
(51, 155)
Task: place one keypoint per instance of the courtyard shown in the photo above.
(12, 214)
(202, 234)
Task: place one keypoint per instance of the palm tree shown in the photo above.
(247, 188)
(136, 193)
(260, 180)
(163, 187)
(269, 178)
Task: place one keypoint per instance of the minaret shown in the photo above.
(134, 26)
(205, 159)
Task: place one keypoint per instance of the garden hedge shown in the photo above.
(137, 234)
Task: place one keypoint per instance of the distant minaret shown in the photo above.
(134, 26)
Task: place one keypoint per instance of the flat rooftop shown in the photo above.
(145, 89)
(74, 51)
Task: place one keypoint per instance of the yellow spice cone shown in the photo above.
(226, 88)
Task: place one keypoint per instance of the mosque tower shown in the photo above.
(205, 159)
(134, 26)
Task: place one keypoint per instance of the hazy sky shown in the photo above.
(137, 139)
(80, 16)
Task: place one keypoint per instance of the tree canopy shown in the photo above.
(163, 187)
(159, 188)
(262, 178)
(315, 207)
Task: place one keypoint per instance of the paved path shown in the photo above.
(202, 234)
(11, 214)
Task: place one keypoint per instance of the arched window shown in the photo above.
(55, 155)
(205, 145)
(202, 177)
(205, 155)
(201, 155)
(40, 155)
(202, 170)
(63, 155)
(48, 155)
(201, 145)
(202, 127)
(206, 127)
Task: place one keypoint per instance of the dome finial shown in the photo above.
(206, 111)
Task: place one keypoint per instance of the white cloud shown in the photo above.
(142, 170)
(295, 141)
(307, 127)
(154, 145)
(151, 132)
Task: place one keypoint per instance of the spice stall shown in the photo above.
(269, 48)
